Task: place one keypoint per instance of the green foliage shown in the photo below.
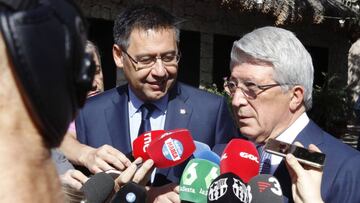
(332, 104)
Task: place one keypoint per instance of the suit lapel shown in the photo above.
(309, 135)
(178, 112)
(118, 120)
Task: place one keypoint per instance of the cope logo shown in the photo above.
(172, 149)
(249, 156)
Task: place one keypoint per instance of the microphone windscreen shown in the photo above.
(210, 156)
(196, 179)
(265, 188)
(142, 142)
(130, 193)
(241, 158)
(228, 188)
(98, 188)
(200, 147)
(172, 148)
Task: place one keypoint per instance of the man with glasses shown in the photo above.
(146, 47)
(271, 88)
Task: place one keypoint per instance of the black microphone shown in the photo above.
(130, 193)
(98, 188)
(227, 188)
(265, 188)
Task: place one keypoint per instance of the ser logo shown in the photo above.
(249, 156)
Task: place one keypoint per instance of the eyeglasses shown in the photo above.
(249, 89)
(147, 61)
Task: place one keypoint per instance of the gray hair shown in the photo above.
(292, 63)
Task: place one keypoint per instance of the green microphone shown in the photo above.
(196, 179)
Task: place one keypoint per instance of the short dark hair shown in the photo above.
(142, 16)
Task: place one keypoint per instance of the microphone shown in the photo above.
(130, 193)
(200, 147)
(265, 188)
(209, 155)
(241, 158)
(171, 148)
(196, 179)
(228, 188)
(142, 142)
(98, 188)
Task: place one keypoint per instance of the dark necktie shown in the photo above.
(146, 110)
(265, 161)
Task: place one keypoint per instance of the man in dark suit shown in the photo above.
(271, 88)
(146, 48)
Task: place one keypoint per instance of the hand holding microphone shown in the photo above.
(306, 181)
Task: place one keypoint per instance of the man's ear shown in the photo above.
(118, 56)
(297, 98)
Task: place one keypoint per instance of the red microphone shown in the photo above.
(241, 158)
(142, 142)
(172, 148)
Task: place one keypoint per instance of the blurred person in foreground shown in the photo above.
(271, 88)
(44, 76)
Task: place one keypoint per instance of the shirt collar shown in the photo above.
(291, 132)
(135, 103)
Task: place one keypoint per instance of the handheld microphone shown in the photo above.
(209, 155)
(142, 142)
(172, 148)
(130, 193)
(241, 158)
(200, 147)
(196, 179)
(98, 188)
(265, 188)
(228, 188)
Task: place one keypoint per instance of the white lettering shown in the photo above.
(249, 156)
(147, 140)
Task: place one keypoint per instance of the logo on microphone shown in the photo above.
(130, 197)
(217, 189)
(172, 149)
(249, 156)
(263, 185)
(240, 190)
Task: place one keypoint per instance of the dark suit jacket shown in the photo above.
(105, 120)
(341, 177)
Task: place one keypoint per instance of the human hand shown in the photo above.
(103, 158)
(133, 173)
(306, 180)
(73, 178)
(164, 194)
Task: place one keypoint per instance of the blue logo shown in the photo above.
(130, 197)
(172, 149)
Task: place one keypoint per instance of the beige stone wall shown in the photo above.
(207, 17)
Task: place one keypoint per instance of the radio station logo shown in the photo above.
(172, 149)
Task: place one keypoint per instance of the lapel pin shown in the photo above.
(182, 111)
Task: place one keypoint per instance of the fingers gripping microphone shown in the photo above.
(130, 193)
(98, 188)
(172, 148)
(142, 142)
(228, 188)
(265, 188)
(196, 180)
(241, 158)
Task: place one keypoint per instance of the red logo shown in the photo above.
(263, 185)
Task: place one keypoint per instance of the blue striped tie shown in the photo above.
(265, 161)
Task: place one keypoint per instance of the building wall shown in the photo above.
(209, 18)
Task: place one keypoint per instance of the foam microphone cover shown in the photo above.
(196, 179)
(200, 147)
(142, 142)
(241, 158)
(228, 188)
(265, 188)
(98, 188)
(130, 193)
(210, 156)
(172, 148)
